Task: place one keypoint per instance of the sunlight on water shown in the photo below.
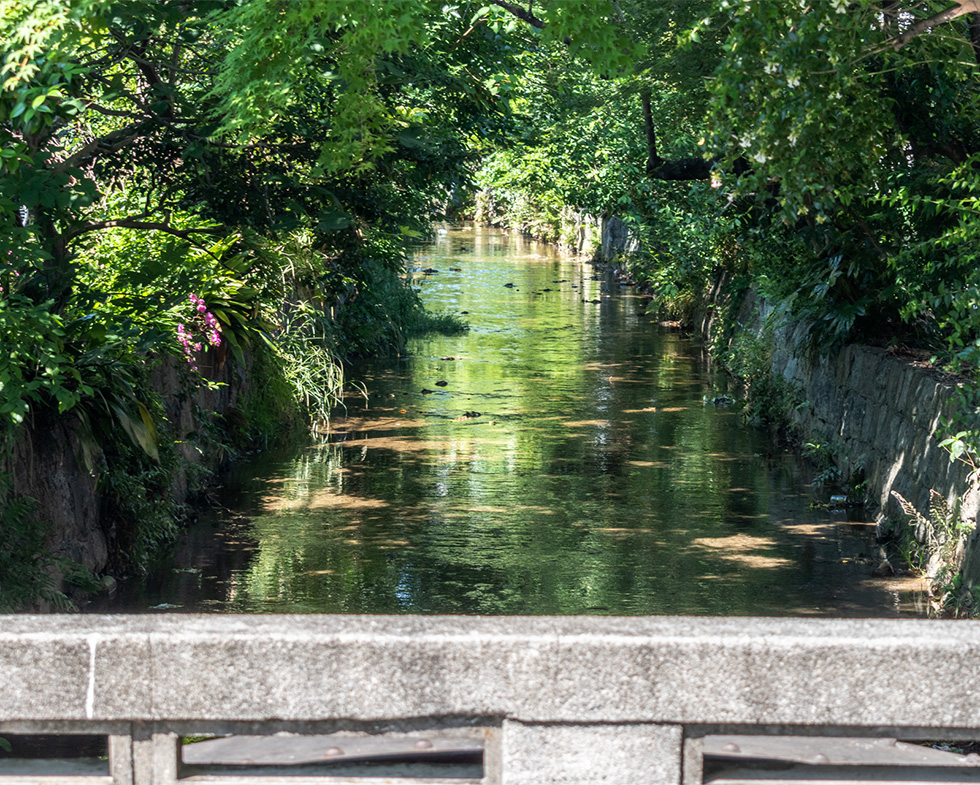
(559, 458)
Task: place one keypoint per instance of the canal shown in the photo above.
(564, 456)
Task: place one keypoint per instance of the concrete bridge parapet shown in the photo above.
(558, 700)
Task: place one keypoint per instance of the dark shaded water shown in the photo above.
(560, 458)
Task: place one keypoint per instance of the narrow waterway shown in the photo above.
(562, 457)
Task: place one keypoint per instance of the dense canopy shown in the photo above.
(244, 176)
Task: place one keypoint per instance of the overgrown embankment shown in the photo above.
(158, 214)
(95, 502)
(874, 419)
(112, 444)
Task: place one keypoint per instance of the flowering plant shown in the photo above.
(202, 328)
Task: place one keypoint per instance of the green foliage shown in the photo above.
(60, 365)
(771, 399)
(268, 402)
(259, 83)
(878, 206)
(844, 156)
(137, 498)
(425, 323)
(821, 455)
(26, 566)
(684, 241)
(745, 351)
(238, 176)
(34, 365)
(274, 160)
(308, 367)
(933, 545)
(786, 71)
(352, 49)
(575, 141)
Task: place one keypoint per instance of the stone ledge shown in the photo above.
(648, 669)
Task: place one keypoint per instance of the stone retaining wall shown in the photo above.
(576, 231)
(46, 464)
(605, 237)
(878, 413)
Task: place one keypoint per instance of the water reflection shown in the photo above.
(557, 459)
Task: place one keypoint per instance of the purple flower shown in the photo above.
(209, 331)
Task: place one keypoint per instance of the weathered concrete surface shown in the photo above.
(560, 701)
(833, 751)
(846, 673)
(588, 754)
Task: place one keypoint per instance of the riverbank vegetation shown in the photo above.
(827, 150)
(235, 184)
(823, 154)
(158, 212)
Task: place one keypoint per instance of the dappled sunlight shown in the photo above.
(600, 366)
(740, 543)
(543, 473)
(743, 550)
(373, 424)
(755, 561)
(810, 529)
(320, 500)
(619, 531)
(407, 444)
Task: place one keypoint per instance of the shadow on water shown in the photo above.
(558, 459)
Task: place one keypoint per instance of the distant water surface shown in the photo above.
(559, 458)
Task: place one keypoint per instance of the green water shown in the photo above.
(559, 458)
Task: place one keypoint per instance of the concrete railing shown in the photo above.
(557, 700)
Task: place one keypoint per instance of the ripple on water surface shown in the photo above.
(559, 458)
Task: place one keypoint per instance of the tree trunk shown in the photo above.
(653, 157)
(974, 22)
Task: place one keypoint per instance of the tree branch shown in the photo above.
(961, 8)
(111, 112)
(975, 35)
(110, 143)
(132, 223)
(520, 13)
(889, 14)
